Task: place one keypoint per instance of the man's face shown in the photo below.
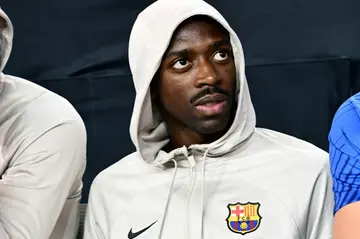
(197, 78)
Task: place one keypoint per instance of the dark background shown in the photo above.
(302, 62)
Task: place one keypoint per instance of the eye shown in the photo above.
(180, 64)
(221, 56)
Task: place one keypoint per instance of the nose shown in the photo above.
(206, 74)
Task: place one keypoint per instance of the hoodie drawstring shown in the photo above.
(192, 176)
(192, 162)
(203, 191)
(168, 198)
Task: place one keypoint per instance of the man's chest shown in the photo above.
(217, 209)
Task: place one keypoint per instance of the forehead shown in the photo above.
(197, 28)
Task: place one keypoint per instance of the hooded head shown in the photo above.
(6, 36)
(152, 36)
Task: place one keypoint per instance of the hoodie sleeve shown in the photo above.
(320, 216)
(42, 183)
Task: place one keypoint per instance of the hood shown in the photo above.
(6, 37)
(154, 27)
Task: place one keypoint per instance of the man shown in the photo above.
(202, 169)
(42, 156)
(344, 138)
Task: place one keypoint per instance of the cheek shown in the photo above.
(176, 87)
(228, 74)
(173, 95)
(177, 96)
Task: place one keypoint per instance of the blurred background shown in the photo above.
(302, 60)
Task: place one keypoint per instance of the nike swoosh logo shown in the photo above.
(132, 235)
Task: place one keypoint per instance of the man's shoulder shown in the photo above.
(345, 130)
(31, 113)
(53, 108)
(31, 105)
(349, 109)
(344, 139)
(293, 150)
(347, 116)
(128, 168)
(291, 143)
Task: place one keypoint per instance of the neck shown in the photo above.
(184, 136)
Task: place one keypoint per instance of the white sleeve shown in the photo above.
(39, 180)
(320, 216)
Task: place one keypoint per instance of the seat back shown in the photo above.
(300, 98)
(82, 212)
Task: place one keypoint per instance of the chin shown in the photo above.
(212, 126)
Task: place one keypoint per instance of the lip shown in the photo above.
(211, 99)
(212, 104)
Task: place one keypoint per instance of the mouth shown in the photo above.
(211, 104)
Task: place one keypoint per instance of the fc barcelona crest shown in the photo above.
(243, 217)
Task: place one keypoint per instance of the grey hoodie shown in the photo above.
(42, 157)
(252, 182)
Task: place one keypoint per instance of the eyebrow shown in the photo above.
(184, 52)
(181, 53)
(218, 44)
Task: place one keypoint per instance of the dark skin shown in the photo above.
(197, 64)
(2, 23)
